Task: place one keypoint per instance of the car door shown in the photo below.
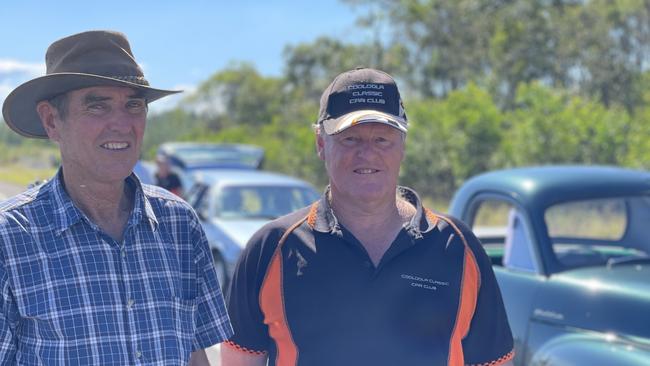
(503, 226)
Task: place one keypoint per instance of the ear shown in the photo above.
(320, 146)
(48, 115)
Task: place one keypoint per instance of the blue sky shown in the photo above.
(178, 43)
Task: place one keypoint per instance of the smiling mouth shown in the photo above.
(116, 145)
(366, 171)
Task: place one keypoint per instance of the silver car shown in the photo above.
(234, 204)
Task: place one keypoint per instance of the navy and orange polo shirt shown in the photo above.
(305, 292)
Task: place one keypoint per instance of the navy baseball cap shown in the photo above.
(359, 96)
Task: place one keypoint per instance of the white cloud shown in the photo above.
(172, 101)
(13, 67)
(14, 73)
(5, 89)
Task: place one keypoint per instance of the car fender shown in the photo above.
(593, 349)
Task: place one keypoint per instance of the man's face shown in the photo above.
(363, 161)
(101, 134)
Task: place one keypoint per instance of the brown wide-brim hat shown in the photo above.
(88, 59)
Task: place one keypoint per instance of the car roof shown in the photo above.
(247, 177)
(175, 152)
(546, 185)
(170, 146)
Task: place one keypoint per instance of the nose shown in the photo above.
(365, 149)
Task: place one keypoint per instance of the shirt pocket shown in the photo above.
(40, 316)
(171, 265)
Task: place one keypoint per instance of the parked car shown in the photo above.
(233, 204)
(185, 158)
(571, 252)
(145, 172)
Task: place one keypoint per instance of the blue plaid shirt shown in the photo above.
(72, 295)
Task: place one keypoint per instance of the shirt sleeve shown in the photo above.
(489, 340)
(211, 318)
(251, 334)
(8, 320)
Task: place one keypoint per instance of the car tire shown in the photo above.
(222, 271)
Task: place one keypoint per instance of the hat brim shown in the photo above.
(336, 125)
(19, 108)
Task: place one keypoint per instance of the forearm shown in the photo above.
(199, 358)
(231, 356)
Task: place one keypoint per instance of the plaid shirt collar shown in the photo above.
(66, 214)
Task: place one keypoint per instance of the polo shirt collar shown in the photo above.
(66, 214)
(326, 221)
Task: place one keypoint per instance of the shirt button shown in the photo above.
(129, 303)
(138, 354)
(123, 253)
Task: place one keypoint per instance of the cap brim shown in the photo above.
(336, 125)
(19, 108)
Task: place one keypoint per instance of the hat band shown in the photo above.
(132, 79)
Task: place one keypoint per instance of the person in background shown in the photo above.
(96, 268)
(166, 178)
(366, 275)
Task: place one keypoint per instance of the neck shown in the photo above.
(385, 214)
(375, 225)
(107, 205)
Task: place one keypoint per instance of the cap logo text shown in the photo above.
(367, 96)
(365, 86)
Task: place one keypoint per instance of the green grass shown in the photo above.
(23, 176)
(435, 204)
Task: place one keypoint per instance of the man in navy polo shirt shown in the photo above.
(366, 275)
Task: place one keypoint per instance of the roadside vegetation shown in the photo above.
(487, 84)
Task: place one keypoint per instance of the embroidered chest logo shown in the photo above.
(423, 282)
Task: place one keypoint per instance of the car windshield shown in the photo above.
(248, 156)
(599, 231)
(261, 202)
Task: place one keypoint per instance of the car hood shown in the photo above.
(612, 299)
(240, 230)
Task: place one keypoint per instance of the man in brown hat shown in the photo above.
(96, 268)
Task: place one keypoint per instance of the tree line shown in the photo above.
(487, 84)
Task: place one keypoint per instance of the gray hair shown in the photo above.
(60, 103)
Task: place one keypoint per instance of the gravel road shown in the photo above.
(7, 190)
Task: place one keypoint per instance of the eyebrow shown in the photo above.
(91, 97)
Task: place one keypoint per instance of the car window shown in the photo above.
(604, 219)
(195, 195)
(504, 232)
(265, 202)
(592, 232)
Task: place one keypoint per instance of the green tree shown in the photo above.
(450, 140)
(311, 66)
(237, 95)
(550, 126)
(174, 125)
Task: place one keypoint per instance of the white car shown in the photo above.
(144, 171)
(234, 203)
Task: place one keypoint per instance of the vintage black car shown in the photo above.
(571, 251)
